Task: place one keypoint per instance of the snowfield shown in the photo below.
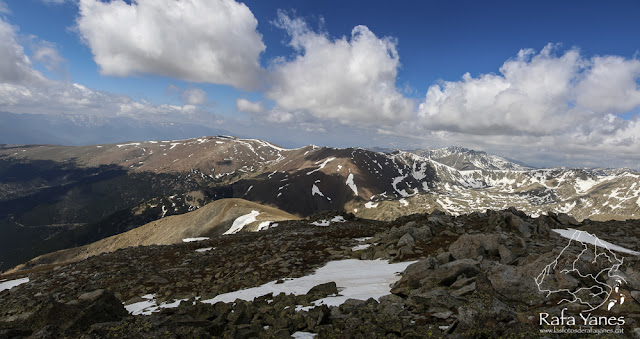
(242, 221)
(590, 239)
(194, 239)
(9, 284)
(356, 279)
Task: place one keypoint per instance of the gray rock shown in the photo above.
(422, 302)
(464, 290)
(518, 282)
(516, 223)
(444, 258)
(442, 315)
(566, 219)
(423, 233)
(506, 256)
(422, 275)
(473, 245)
(632, 277)
(391, 299)
(410, 224)
(565, 281)
(636, 295)
(462, 281)
(406, 240)
(90, 296)
(324, 290)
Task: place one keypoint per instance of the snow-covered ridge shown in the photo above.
(463, 158)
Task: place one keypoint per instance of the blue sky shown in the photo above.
(547, 82)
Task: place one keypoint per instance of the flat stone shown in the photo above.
(465, 290)
(442, 315)
(324, 290)
(91, 295)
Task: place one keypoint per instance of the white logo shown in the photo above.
(591, 272)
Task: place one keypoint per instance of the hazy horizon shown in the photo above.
(485, 76)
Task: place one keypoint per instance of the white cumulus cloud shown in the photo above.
(15, 65)
(532, 94)
(351, 79)
(246, 106)
(545, 108)
(609, 85)
(194, 96)
(536, 94)
(47, 53)
(25, 90)
(213, 41)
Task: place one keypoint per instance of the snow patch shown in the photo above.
(315, 190)
(404, 202)
(322, 165)
(338, 218)
(370, 204)
(242, 221)
(351, 184)
(395, 182)
(202, 250)
(357, 279)
(582, 186)
(265, 225)
(194, 239)
(124, 145)
(322, 223)
(147, 307)
(587, 238)
(360, 247)
(9, 284)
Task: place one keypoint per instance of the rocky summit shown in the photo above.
(478, 275)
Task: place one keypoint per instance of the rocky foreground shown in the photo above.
(477, 275)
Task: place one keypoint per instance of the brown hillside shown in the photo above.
(212, 219)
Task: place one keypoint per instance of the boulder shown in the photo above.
(95, 307)
(566, 219)
(422, 275)
(444, 258)
(516, 223)
(406, 240)
(423, 233)
(324, 290)
(438, 298)
(518, 282)
(470, 246)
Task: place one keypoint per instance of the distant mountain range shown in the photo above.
(82, 129)
(55, 197)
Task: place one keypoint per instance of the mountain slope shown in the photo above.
(465, 159)
(212, 219)
(71, 196)
(311, 178)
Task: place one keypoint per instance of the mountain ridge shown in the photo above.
(46, 185)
